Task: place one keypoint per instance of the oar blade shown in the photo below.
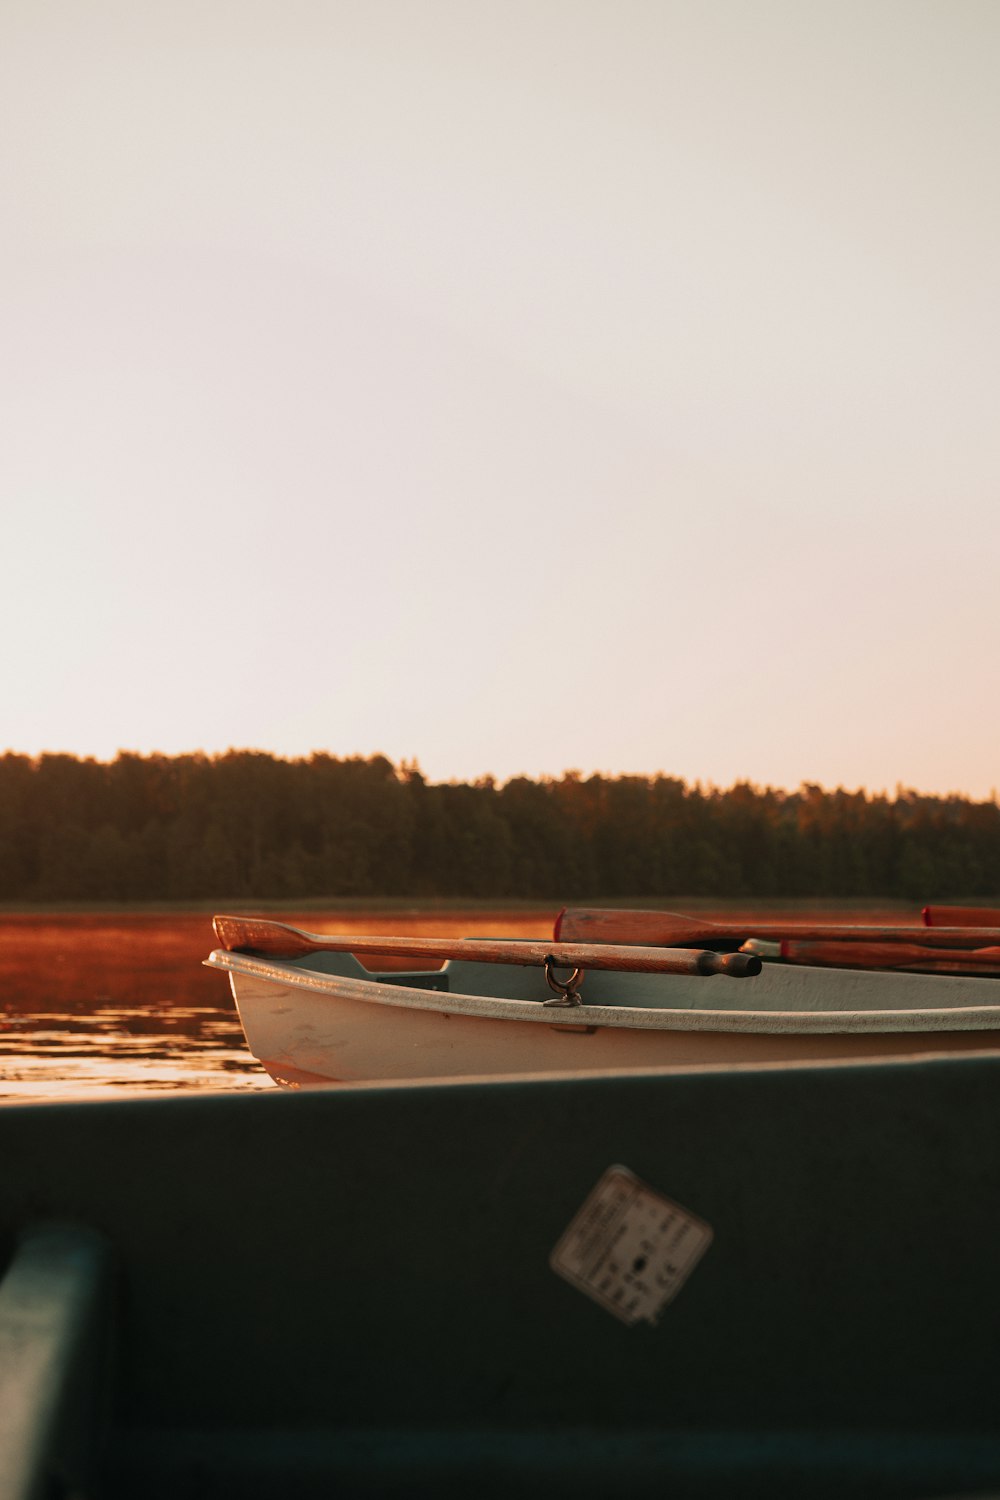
(259, 935)
(596, 924)
(961, 916)
(670, 929)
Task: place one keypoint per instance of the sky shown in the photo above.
(510, 385)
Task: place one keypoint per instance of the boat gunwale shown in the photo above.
(645, 1018)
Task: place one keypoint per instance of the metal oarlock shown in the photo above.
(567, 993)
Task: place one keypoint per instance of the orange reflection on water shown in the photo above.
(92, 1004)
(96, 1054)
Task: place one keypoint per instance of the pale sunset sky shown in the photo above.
(605, 384)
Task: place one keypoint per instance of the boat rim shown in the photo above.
(640, 1018)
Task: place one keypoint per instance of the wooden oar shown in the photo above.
(892, 956)
(606, 925)
(278, 940)
(960, 916)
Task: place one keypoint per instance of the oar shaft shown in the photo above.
(892, 956)
(606, 925)
(277, 939)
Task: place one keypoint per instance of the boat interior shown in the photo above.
(779, 987)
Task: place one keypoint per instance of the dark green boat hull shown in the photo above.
(348, 1292)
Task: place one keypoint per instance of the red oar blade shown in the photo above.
(961, 916)
(653, 928)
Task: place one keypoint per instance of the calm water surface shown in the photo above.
(92, 1004)
(95, 1004)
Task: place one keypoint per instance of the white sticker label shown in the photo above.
(630, 1248)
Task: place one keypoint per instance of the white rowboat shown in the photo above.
(321, 1017)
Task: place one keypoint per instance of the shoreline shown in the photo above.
(415, 905)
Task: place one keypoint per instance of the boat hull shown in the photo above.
(351, 1291)
(310, 1028)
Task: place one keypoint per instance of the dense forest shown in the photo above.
(248, 824)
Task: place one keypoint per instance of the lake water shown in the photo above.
(94, 1004)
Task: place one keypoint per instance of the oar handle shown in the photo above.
(279, 940)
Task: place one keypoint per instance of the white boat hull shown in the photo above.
(307, 1027)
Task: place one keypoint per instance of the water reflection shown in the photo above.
(92, 1004)
(99, 1052)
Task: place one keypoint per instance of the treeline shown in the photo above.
(248, 825)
